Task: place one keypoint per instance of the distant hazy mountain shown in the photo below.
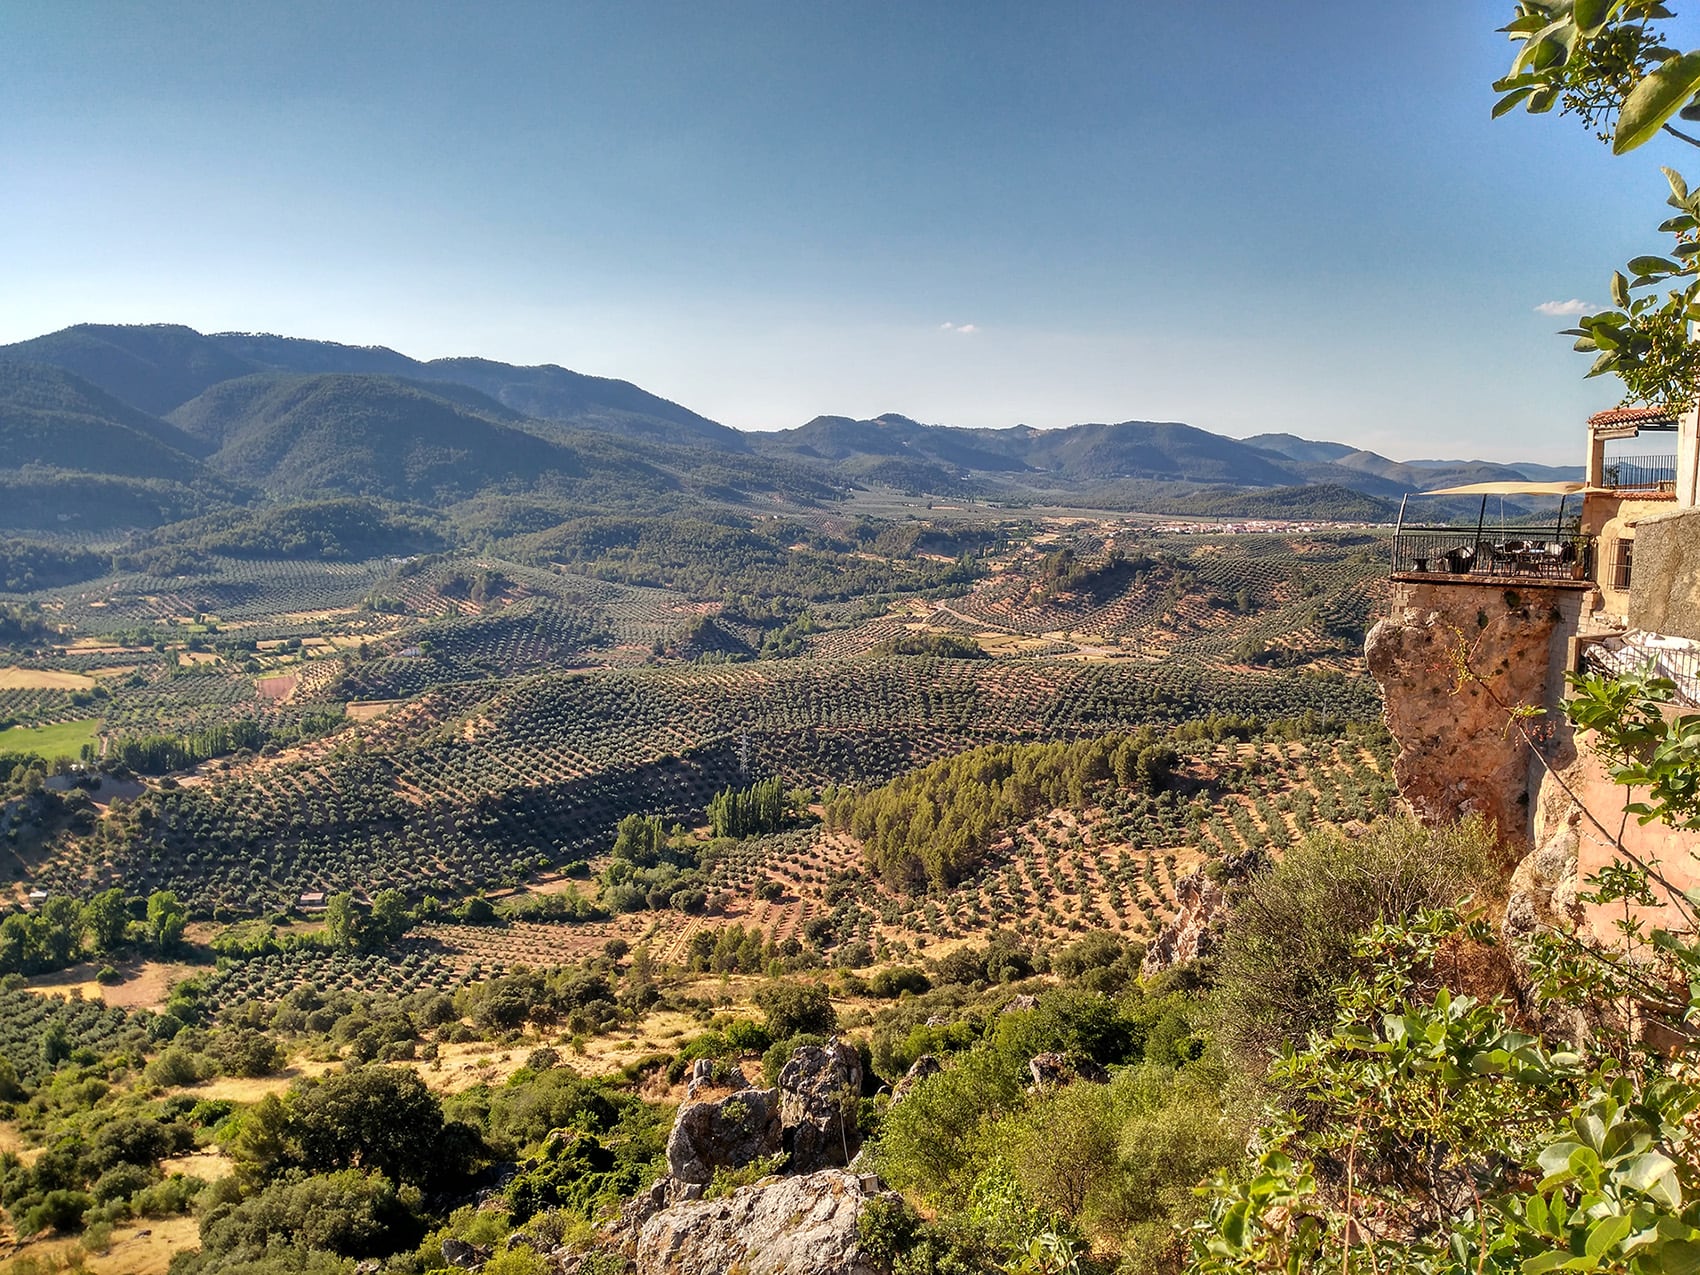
(1032, 457)
(1527, 469)
(1300, 449)
(223, 419)
(152, 368)
(547, 393)
(159, 367)
(1412, 475)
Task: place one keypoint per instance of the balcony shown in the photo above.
(1499, 555)
(1652, 476)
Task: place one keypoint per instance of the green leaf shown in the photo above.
(1510, 100)
(1659, 95)
(1646, 266)
(1556, 1158)
(1604, 1235)
(1679, 1257)
(1535, 1212)
(1678, 187)
(1619, 289)
(1233, 1225)
(1591, 15)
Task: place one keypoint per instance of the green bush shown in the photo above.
(58, 1210)
(350, 1213)
(792, 1008)
(1294, 925)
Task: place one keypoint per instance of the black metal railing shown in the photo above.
(1524, 552)
(1640, 473)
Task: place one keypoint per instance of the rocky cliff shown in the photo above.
(1454, 661)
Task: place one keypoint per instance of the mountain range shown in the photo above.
(139, 425)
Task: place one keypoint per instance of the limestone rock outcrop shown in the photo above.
(818, 1090)
(1456, 755)
(785, 1226)
(1053, 1070)
(924, 1066)
(722, 1135)
(1543, 887)
(1200, 906)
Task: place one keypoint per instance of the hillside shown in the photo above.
(366, 435)
(50, 417)
(153, 367)
(546, 393)
(450, 429)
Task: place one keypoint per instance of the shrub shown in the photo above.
(792, 1008)
(1289, 944)
(350, 1213)
(120, 1182)
(747, 1036)
(893, 982)
(176, 1066)
(60, 1211)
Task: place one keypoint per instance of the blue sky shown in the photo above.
(1244, 216)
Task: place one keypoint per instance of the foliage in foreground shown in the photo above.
(1430, 1132)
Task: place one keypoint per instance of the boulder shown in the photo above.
(818, 1091)
(1542, 895)
(1050, 1070)
(723, 1135)
(924, 1066)
(1019, 1004)
(464, 1256)
(785, 1226)
(702, 1073)
(708, 1074)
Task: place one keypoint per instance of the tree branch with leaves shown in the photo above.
(1609, 63)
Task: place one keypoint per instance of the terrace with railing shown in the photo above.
(1524, 553)
(1552, 551)
(1675, 660)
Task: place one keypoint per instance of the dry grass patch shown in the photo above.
(143, 984)
(366, 710)
(248, 1089)
(208, 1166)
(467, 1064)
(41, 679)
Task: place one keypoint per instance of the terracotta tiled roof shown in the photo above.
(1632, 416)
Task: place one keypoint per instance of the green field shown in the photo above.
(66, 739)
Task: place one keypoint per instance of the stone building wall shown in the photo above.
(1666, 594)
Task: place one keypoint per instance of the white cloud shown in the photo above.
(964, 328)
(1563, 309)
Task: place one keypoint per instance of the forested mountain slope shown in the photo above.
(50, 417)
